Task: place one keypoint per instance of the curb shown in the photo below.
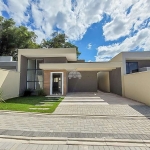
(78, 141)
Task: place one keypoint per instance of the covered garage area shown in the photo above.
(90, 80)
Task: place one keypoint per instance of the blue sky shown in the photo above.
(101, 29)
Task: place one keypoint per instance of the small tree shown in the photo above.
(1, 96)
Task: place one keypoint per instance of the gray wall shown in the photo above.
(55, 60)
(8, 65)
(88, 82)
(115, 81)
(23, 74)
(141, 63)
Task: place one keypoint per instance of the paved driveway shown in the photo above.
(100, 103)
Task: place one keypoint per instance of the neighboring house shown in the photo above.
(6, 62)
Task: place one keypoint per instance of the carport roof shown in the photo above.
(100, 66)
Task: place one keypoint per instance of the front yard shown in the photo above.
(39, 104)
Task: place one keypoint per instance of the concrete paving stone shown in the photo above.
(40, 147)
(137, 148)
(32, 147)
(106, 148)
(3, 146)
(22, 146)
(45, 147)
(62, 147)
(55, 147)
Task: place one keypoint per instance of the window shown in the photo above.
(34, 74)
(131, 67)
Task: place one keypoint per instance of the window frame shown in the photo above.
(35, 71)
(127, 65)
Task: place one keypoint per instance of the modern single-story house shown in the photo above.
(58, 72)
(49, 69)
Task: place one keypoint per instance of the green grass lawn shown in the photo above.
(26, 103)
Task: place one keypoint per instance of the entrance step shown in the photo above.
(39, 108)
(44, 105)
(45, 102)
(51, 100)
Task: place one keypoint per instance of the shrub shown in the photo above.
(41, 92)
(1, 96)
(27, 92)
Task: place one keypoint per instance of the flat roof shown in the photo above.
(138, 55)
(69, 53)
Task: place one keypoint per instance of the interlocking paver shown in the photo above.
(120, 118)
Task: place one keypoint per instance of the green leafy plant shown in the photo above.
(1, 96)
(41, 92)
(27, 92)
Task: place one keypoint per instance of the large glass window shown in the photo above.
(34, 74)
(131, 67)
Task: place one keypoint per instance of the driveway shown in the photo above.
(100, 103)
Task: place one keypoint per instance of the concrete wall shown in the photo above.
(9, 83)
(6, 58)
(8, 65)
(103, 81)
(88, 82)
(137, 86)
(115, 81)
(23, 74)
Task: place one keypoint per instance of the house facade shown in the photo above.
(49, 69)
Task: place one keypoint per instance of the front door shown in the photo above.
(56, 87)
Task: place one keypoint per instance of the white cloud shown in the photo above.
(139, 41)
(89, 46)
(3, 7)
(75, 18)
(123, 24)
(72, 18)
(16, 10)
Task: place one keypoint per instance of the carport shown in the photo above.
(90, 80)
